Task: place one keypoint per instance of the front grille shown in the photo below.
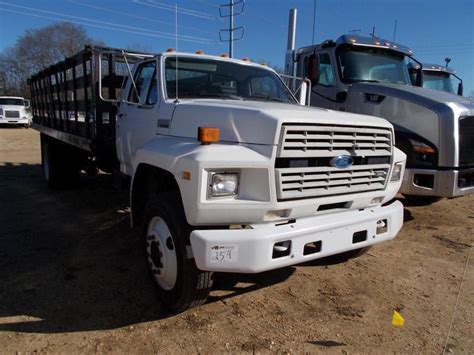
(12, 114)
(466, 141)
(303, 167)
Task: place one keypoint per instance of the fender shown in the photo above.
(178, 155)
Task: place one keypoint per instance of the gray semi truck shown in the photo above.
(436, 77)
(369, 75)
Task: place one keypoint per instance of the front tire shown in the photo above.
(181, 285)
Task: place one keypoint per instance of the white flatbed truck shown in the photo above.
(228, 173)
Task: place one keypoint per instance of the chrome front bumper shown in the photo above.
(14, 121)
(252, 250)
(439, 183)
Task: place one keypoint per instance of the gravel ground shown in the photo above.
(73, 279)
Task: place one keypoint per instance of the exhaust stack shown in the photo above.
(290, 50)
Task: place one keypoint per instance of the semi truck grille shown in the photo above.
(303, 166)
(466, 141)
(12, 114)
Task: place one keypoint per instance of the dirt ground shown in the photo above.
(72, 279)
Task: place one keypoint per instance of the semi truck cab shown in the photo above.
(14, 111)
(436, 77)
(369, 75)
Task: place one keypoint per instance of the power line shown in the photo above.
(100, 26)
(207, 3)
(136, 16)
(180, 10)
(133, 28)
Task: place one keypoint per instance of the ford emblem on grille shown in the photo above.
(342, 161)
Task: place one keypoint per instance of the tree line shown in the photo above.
(35, 50)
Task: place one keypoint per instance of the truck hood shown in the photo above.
(416, 94)
(13, 108)
(432, 115)
(255, 122)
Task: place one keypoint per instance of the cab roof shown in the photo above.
(12, 97)
(432, 67)
(361, 41)
(244, 61)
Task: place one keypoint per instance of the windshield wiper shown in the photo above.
(362, 81)
(266, 98)
(218, 94)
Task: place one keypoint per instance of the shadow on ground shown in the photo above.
(70, 262)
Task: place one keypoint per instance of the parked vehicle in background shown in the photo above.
(436, 77)
(228, 172)
(14, 111)
(435, 129)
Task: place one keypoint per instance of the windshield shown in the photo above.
(10, 101)
(372, 65)
(438, 81)
(207, 78)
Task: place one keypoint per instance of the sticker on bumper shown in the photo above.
(223, 253)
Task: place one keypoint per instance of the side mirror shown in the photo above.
(313, 70)
(460, 89)
(303, 93)
(27, 103)
(419, 78)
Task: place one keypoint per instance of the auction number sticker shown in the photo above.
(224, 253)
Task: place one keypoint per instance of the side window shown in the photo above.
(263, 86)
(326, 73)
(145, 80)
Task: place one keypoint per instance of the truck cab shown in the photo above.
(229, 173)
(14, 111)
(436, 77)
(369, 75)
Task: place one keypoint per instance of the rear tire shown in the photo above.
(60, 161)
(181, 285)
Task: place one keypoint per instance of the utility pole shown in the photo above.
(230, 13)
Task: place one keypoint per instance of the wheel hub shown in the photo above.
(161, 253)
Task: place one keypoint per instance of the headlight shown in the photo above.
(396, 172)
(423, 153)
(224, 184)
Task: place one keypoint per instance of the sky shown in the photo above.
(434, 29)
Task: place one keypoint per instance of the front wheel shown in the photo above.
(181, 285)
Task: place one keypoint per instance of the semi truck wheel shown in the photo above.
(60, 163)
(181, 285)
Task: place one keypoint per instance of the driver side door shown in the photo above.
(323, 91)
(137, 120)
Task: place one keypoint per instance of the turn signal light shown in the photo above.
(422, 149)
(208, 135)
(170, 50)
(199, 52)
